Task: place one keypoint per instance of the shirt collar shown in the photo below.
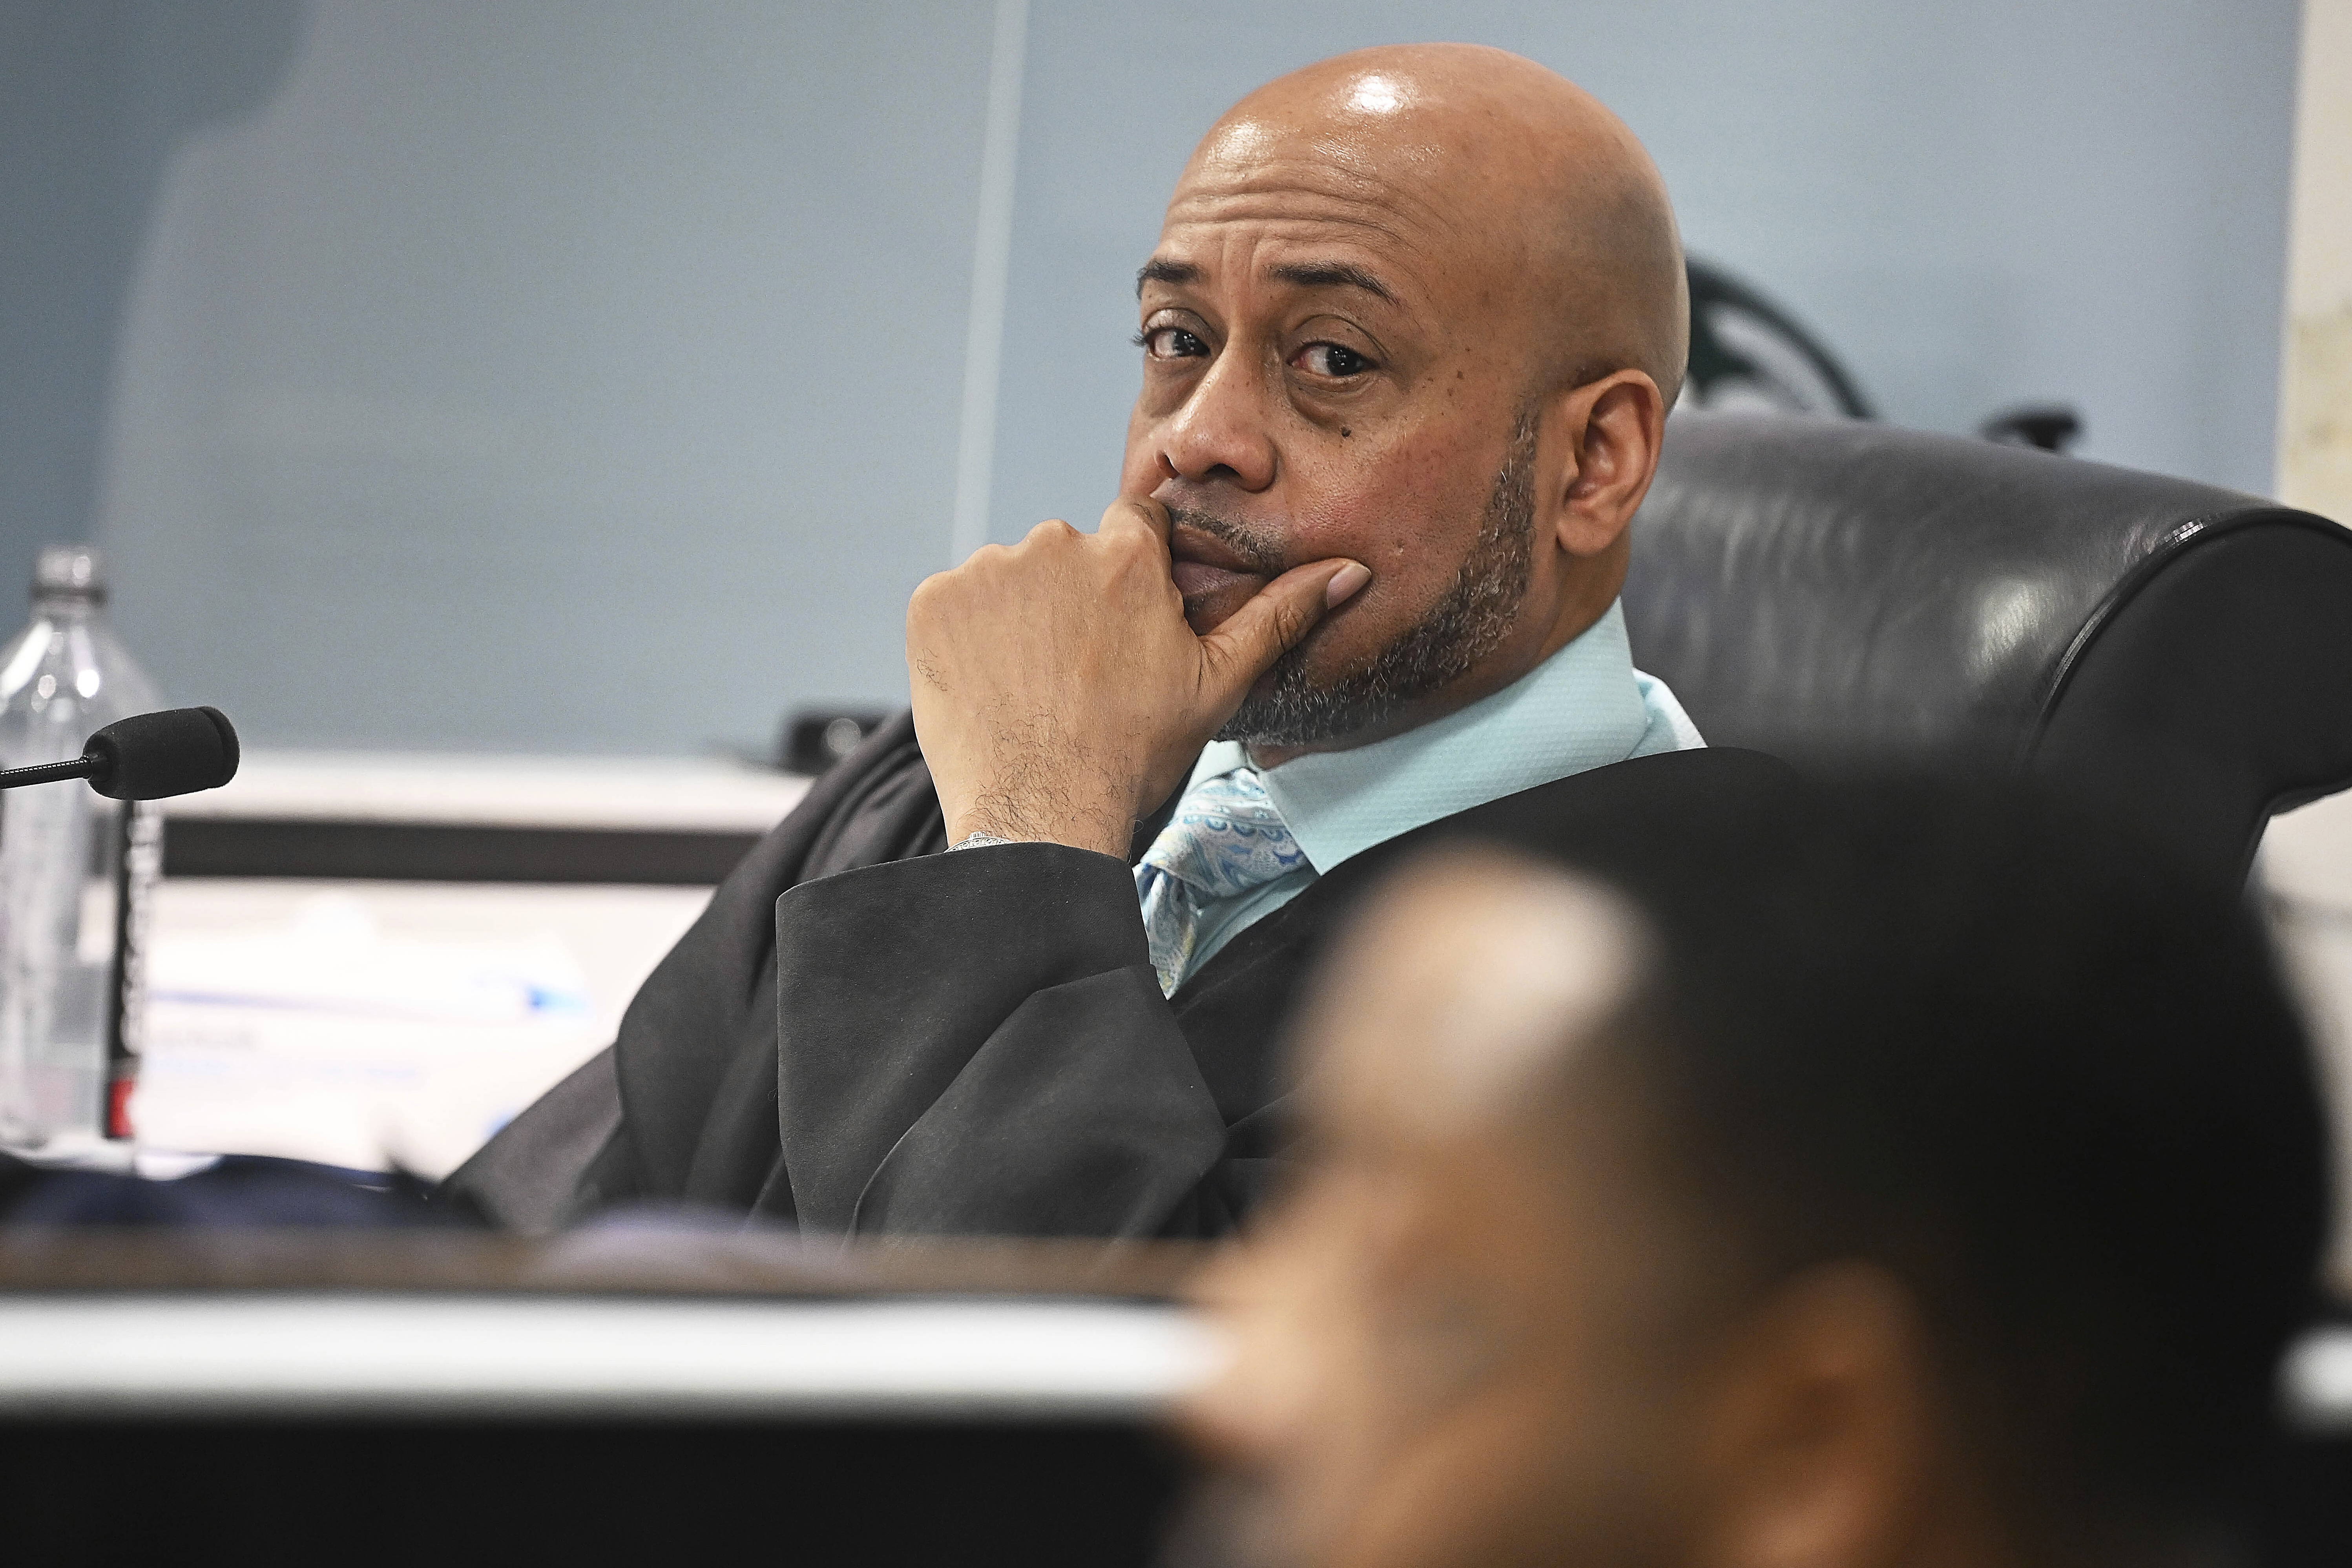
(1584, 706)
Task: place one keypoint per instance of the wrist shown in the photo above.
(1104, 831)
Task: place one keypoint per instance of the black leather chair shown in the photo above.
(1836, 592)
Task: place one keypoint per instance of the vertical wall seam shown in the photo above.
(991, 255)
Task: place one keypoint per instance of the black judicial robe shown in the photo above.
(865, 1035)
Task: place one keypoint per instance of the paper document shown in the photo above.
(322, 1037)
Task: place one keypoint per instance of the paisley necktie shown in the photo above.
(1226, 839)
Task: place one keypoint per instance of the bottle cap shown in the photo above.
(70, 572)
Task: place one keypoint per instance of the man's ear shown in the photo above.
(1820, 1440)
(1612, 429)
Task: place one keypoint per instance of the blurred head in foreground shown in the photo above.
(1868, 1179)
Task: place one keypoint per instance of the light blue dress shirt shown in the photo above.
(1585, 706)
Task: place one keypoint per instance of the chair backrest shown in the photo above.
(1834, 591)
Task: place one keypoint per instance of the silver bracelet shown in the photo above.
(976, 841)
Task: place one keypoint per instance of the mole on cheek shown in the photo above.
(1345, 432)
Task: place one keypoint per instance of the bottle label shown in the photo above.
(136, 868)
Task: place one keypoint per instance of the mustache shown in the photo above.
(1263, 553)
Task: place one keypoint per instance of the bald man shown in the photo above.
(1409, 338)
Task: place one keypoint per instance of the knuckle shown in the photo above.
(936, 596)
(1294, 621)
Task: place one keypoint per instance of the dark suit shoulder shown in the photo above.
(1646, 789)
(1623, 807)
(1621, 821)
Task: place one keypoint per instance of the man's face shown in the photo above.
(1464, 1335)
(1335, 363)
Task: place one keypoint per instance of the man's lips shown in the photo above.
(1203, 564)
(1198, 579)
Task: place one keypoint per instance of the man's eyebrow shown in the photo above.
(1305, 274)
(1332, 274)
(1159, 271)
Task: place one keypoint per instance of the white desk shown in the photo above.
(277, 1354)
(629, 793)
(413, 1354)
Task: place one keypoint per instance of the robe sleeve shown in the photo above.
(564, 1155)
(975, 1043)
(681, 1108)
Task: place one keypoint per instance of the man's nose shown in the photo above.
(1222, 433)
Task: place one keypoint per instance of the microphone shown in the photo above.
(148, 756)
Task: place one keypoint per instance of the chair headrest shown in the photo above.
(1831, 589)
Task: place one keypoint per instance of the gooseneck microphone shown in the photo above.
(149, 756)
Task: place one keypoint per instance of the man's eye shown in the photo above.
(1172, 343)
(1334, 359)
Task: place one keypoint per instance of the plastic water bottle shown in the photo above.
(75, 871)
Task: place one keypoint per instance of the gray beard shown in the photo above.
(1468, 622)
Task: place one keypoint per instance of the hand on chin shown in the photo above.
(1060, 687)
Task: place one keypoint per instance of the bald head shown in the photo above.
(1503, 169)
(1423, 308)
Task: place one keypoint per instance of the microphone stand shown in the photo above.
(80, 767)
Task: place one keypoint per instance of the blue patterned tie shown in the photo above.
(1226, 839)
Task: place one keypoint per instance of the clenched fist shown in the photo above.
(1058, 692)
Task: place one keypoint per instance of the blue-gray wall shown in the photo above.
(1976, 205)
(587, 377)
(552, 376)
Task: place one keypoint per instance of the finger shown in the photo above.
(1133, 511)
(1275, 622)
